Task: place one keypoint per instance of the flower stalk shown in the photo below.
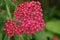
(7, 8)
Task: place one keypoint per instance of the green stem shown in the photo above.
(22, 37)
(6, 37)
(14, 4)
(7, 8)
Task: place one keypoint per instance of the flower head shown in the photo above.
(31, 16)
(11, 28)
(32, 26)
(55, 38)
(28, 10)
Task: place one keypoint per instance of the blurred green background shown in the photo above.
(51, 11)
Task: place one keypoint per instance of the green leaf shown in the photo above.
(12, 3)
(2, 20)
(0, 36)
(50, 34)
(7, 37)
(54, 26)
(27, 37)
(41, 35)
(18, 37)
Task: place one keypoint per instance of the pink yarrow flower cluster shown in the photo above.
(28, 10)
(32, 26)
(55, 38)
(11, 28)
(30, 15)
